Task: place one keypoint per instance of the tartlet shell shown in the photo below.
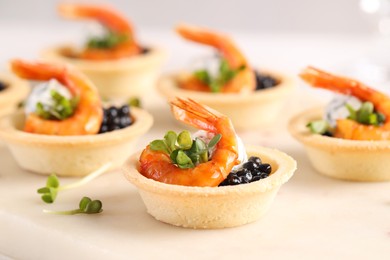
(339, 158)
(17, 89)
(213, 207)
(71, 155)
(116, 79)
(246, 110)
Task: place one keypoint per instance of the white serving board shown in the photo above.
(313, 217)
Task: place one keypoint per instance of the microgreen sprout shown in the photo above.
(183, 151)
(49, 192)
(319, 127)
(226, 73)
(86, 206)
(109, 40)
(61, 109)
(366, 114)
(134, 102)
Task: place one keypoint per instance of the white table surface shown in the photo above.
(313, 217)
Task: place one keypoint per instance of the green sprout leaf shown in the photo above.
(173, 156)
(84, 202)
(134, 102)
(159, 145)
(109, 40)
(170, 140)
(184, 140)
(203, 75)
(366, 114)
(381, 118)
(363, 114)
(213, 142)
(318, 127)
(86, 206)
(352, 112)
(183, 161)
(226, 74)
(50, 191)
(61, 109)
(183, 151)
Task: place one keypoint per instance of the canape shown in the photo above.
(64, 128)
(251, 98)
(352, 142)
(115, 62)
(207, 182)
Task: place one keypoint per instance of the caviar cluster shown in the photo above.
(264, 81)
(115, 118)
(2, 86)
(252, 170)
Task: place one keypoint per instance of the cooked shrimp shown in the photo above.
(158, 165)
(244, 80)
(89, 113)
(346, 128)
(113, 21)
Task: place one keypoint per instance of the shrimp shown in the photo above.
(113, 21)
(346, 128)
(244, 80)
(89, 113)
(158, 165)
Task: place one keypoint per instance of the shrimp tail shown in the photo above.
(42, 71)
(194, 114)
(104, 14)
(219, 41)
(321, 79)
(28, 70)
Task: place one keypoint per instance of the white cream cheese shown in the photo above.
(41, 92)
(209, 63)
(336, 108)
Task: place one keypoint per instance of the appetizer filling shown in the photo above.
(184, 151)
(51, 100)
(232, 74)
(115, 118)
(250, 171)
(65, 103)
(216, 72)
(216, 81)
(346, 107)
(204, 159)
(108, 40)
(2, 86)
(188, 152)
(117, 40)
(361, 115)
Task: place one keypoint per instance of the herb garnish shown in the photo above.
(319, 127)
(134, 102)
(183, 151)
(366, 114)
(226, 73)
(50, 191)
(107, 41)
(86, 206)
(60, 110)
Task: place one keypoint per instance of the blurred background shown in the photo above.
(329, 16)
(348, 36)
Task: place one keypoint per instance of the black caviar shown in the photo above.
(252, 170)
(115, 118)
(2, 86)
(264, 81)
